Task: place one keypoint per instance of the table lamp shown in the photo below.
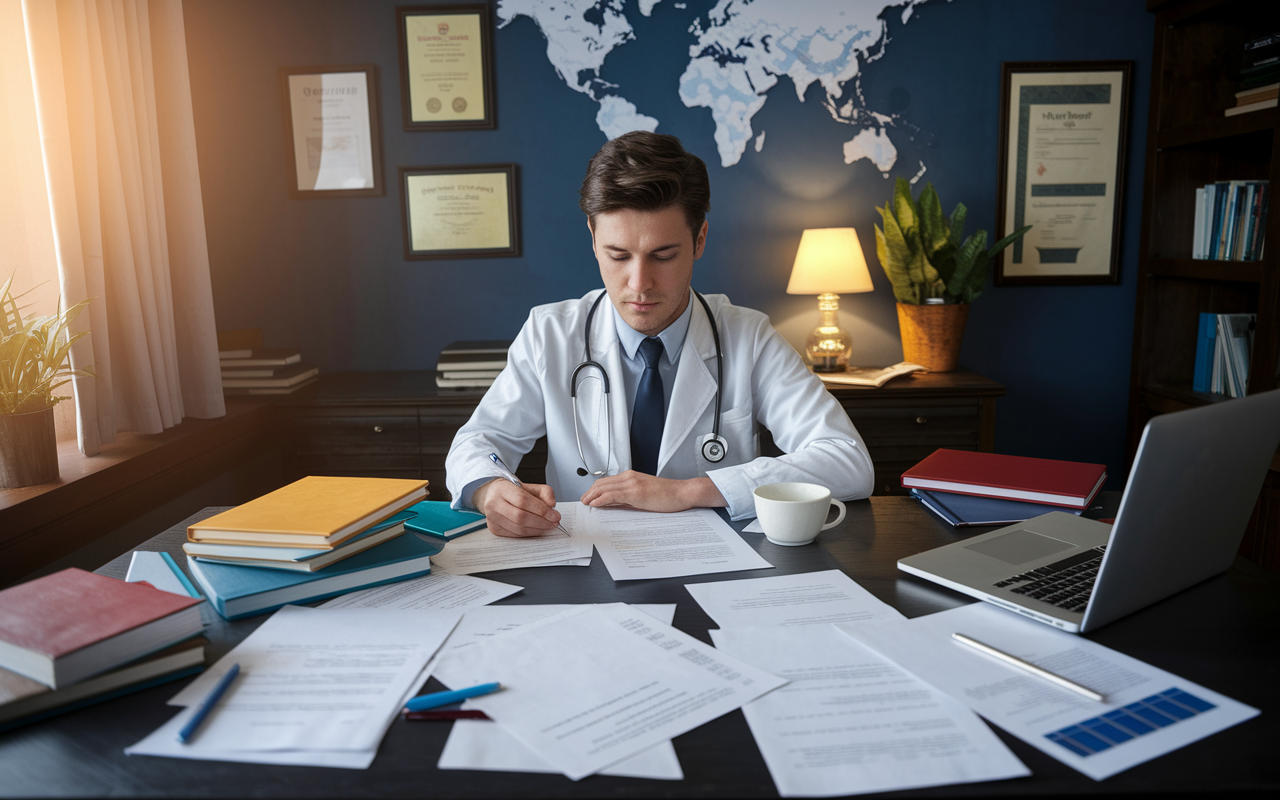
(830, 263)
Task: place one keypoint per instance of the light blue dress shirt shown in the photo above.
(633, 365)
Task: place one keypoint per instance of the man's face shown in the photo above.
(646, 260)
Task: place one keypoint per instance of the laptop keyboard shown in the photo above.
(1065, 584)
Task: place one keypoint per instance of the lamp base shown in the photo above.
(828, 364)
(828, 346)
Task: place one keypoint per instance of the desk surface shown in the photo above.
(1222, 634)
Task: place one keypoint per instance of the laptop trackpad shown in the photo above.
(1019, 547)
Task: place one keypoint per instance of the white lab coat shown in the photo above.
(765, 384)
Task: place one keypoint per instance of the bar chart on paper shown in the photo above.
(1136, 719)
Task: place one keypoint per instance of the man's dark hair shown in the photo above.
(646, 172)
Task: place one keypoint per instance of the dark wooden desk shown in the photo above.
(1222, 634)
(399, 425)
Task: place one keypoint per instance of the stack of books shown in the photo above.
(1224, 344)
(967, 488)
(1230, 220)
(315, 538)
(265, 371)
(74, 638)
(1259, 75)
(471, 364)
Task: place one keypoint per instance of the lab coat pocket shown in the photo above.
(737, 426)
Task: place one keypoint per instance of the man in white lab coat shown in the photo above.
(649, 441)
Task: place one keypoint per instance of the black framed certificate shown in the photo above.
(460, 212)
(446, 67)
(1063, 137)
(331, 131)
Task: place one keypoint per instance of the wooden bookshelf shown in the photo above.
(1195, 71)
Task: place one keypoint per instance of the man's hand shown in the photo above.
(511, 510)
(649, 493)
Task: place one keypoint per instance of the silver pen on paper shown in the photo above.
(511, 476)
(1014, 661)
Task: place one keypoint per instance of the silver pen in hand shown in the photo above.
(511, 476)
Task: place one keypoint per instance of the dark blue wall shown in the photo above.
(328, 275)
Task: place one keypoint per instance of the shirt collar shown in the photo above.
(672, 337)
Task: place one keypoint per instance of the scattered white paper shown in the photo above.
(753, 526)
(811, 598)
(483, 745)
(852, 722)
(1148, 712)
(644, 544)
(594, 685)
(485, 551)
(481, 624)
(312, 681)
(438, 590)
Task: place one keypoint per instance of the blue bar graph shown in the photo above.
(1149, 714)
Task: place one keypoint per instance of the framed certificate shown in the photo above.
(446, 67)
(331, 131)
(1063, 136)
(460, 212)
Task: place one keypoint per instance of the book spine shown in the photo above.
(1204, 352)
(1197, 235)
(1215, 233)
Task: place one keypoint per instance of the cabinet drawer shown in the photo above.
(928, 427)
(393, 465)
(350, 434)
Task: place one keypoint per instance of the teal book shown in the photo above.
(235, 591)
(435, 518)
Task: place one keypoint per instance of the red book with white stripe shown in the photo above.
(1070, 484)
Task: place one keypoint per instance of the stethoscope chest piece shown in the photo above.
(714, 448)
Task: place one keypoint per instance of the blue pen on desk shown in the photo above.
(436, 699)
(511, 476)
(207, 704)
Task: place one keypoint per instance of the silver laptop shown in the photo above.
(1192, 489)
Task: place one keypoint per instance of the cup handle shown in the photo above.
(839, 517)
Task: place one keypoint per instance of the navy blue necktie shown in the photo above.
(649, 414)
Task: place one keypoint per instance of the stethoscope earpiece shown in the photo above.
(714, 447)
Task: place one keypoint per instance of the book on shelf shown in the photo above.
(283, 379)
(487, 347)
(1229, 221)
(470, 363)
(71, 624)
(317, 512)
(299, 559)
(267, 390)
(23, 701)
(471, 375)
(436, 518)
(964, 510)
(870, 376)
(237, 591)
(1224, 346)
(260, 357)
(1071, 484)
(459, 383)
(1246, 108)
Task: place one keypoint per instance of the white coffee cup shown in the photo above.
(793, 514)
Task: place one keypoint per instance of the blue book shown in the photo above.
(1205, 343)
(964, 510)
(435, 518)
(236, 591)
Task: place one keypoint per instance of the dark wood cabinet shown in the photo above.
(399, 425)
(1190, 142)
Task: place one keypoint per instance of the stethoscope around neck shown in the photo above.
(713, 445)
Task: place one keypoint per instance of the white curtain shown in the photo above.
(117, 138)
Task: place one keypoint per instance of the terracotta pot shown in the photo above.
(931, 334)
(28, 449)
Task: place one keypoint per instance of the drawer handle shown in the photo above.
(377, 429)
(921, 420)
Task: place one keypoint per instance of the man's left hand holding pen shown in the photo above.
(512, 508)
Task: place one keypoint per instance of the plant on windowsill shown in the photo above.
(34, 356)
(935, 275)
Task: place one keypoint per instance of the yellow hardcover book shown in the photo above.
(317, 511)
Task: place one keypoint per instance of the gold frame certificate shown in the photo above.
(1063, 138)
(331, 131)
(460, 212)
(446, 67)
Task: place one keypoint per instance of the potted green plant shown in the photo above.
(34, 355)
(935, 275)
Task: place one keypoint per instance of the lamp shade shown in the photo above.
(830, 260)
